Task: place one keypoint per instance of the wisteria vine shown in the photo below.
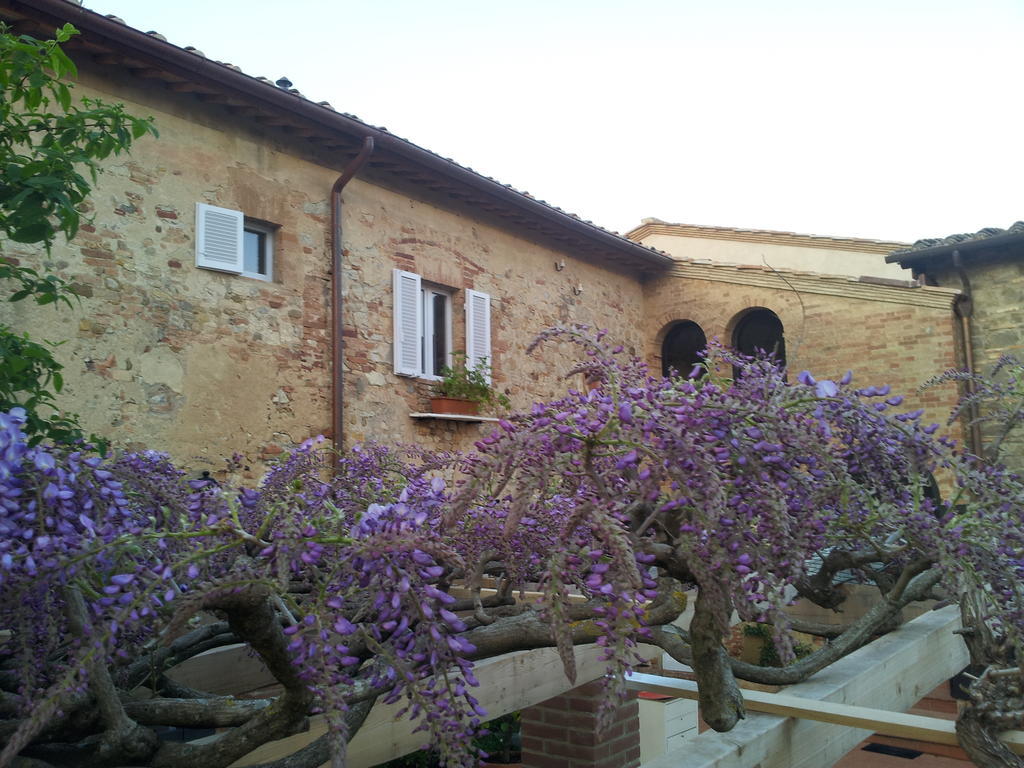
(357, 577)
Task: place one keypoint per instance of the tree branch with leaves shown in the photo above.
(51, 149)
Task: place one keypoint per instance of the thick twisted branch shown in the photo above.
(219, 712)
(819, 588)
(720, 698)
(878, 618)
(252, 618)
(123, 740)
(318, 751)
(529, 630)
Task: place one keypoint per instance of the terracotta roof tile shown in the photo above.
(982, 234)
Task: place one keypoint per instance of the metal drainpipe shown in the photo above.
(964, 309)
(337, 316)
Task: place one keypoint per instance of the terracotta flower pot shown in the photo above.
(454, 405)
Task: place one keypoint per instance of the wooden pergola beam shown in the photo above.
(508, 683)
(893, 672)
(901, 725)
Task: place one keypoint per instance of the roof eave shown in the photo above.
(179, 60)
(913, 258)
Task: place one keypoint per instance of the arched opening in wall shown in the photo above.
(680, 351)
(760, 330)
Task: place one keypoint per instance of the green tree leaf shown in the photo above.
(47, 145)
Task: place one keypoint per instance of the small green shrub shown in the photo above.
(459, 380)
(500, 743)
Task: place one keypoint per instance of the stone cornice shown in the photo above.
(865, 289)
(764, 236)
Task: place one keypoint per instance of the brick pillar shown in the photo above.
(562, 732)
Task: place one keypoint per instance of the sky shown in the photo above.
(894, 120)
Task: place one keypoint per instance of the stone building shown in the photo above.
(270, 269)
(186, 344)
(987, 267)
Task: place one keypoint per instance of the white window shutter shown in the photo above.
(478, 330)
(408, 324)
(219, 238)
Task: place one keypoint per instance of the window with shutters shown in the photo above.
(423, 321)
(227, 241)
(478, 331)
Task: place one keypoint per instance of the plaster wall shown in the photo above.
(832, 261)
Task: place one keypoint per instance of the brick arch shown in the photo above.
(664, 321)
(767, 315)
(788, 306)
(734, 320)
(657, 359)
(715, 306)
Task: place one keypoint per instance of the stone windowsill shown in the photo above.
(453, 417)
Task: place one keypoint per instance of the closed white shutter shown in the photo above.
(408, 324)
(219, 238)
(478, 330)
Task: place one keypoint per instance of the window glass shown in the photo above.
(254, 252)
(437, 330)
(439, 342)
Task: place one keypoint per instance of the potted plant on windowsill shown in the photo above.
(461, 389)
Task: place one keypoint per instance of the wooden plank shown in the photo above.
(508, 683)
(225, 671)
(893, 673)
(899, 725)
(896, 724)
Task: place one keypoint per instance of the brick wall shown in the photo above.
(885, 335)
(562, 732)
